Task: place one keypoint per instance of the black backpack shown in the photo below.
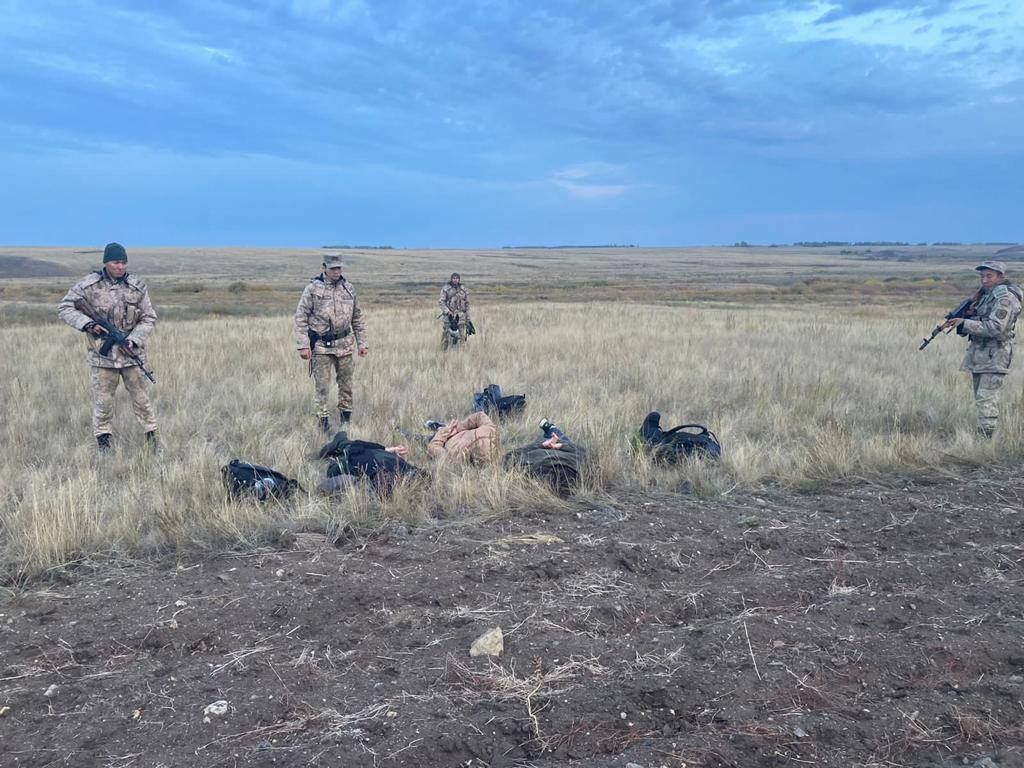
(670, 446)
(494, 404)
(244, 480)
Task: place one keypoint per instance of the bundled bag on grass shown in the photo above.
(494, 404)
(672, 445)
(245, 480)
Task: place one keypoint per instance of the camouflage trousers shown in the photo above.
(449, 339)
(986, 388)
(103, 382)
(341, 368)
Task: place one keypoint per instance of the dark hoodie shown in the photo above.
(365, 459)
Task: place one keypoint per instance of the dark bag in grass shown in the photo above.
(494, 404)
(245, 480)
(670, 446)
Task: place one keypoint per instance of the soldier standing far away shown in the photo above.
(991, 332)
(328, 329)
(454, 303)
(113, 298)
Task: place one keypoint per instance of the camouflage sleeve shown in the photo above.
(358, 326)
(147, 320)
(466, 294)
(302, 313)
(443, 301)
(999, 323)
(67, 311)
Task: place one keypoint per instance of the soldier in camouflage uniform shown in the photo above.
(328, 329)
(113, 294)
(991, 333)
(454, 302)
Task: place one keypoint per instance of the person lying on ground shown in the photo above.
(472, 440)
(553, 458)
(383, 465)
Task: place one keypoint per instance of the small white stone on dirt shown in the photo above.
(490, 643)
(4, 711)
(180, 603)
(217, 708)
(633, 765)
(279, 573)
(799, 732)
(986, 762)
(51, 691)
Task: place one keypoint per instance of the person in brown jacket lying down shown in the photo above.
(473, 439)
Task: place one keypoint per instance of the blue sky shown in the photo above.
(479, 123)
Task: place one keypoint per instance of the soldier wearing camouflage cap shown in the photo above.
(991, 334)
(454, 304)
(328, 329)
(114, 295)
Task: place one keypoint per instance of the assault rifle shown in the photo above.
(112, 337)
(965, 309)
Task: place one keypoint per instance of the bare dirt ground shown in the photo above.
(872, 623)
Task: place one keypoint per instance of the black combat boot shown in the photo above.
(325, 425)
(153, 442)
(103, 444)
(344, 418)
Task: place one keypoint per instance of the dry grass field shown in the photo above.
(843, 589)
(802, 386)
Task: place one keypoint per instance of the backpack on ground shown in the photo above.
(673, 445)
(494, 404)
(245, 480)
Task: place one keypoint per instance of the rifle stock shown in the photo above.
(113, 337)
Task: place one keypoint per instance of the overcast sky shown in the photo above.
(477, 123)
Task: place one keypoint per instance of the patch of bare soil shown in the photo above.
(870, 624)
(25, 266)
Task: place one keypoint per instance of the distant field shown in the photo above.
(197, 282)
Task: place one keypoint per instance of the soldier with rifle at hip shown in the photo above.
(113, 309)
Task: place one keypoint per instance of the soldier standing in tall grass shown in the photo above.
(454, 304)
(111, 294)
(991, 332)
(329, 327)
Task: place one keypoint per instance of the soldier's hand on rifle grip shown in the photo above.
(305, 354)
(953, 322)
(95, 329)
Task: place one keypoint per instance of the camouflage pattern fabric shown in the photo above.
(124, 302)
(327, 307)
(103, 383)
(986, 388)
(454, 300)
(326, 367)
(992, 331)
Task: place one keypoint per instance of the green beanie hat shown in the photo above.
(114, 252)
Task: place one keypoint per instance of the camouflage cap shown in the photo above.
(330, 262)
(995, 266)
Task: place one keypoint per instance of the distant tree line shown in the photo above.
(558, 247)
(359, 247)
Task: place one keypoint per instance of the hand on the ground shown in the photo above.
(363, 350)
(305, 354)
(398, 450)
(554, 443)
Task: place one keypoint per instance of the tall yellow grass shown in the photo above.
(796, 395)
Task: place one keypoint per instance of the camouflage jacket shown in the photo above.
(326, 308)
(124, 302)
(991, 330)
(454, 300)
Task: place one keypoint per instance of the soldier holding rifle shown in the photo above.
(990, 327)
(113, 309)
